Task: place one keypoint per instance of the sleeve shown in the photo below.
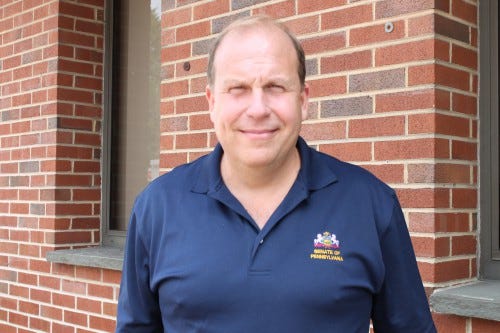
(138, 309)
(401, 305)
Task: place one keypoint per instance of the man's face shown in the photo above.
(257, 103)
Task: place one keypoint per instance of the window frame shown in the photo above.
(109, 237)
(489, 263)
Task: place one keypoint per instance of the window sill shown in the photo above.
(100, 257)
(480, 299)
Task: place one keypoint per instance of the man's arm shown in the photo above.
(138, 309)
(401, 305)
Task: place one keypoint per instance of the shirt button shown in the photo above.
(261, 241)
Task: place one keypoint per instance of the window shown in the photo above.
(489, 142)
(131, 126)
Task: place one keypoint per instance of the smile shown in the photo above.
(259, 133)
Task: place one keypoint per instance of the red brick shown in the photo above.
(71, 237)
(389, 173)
(445, 270)
(324, 131)
(63, 300)
(464, 57)
(352, 151)
(461, 150)
(328, 86)
(174, 124)
(39, 324)
(191, 104)
(198, 66)
(424, 197)
(109, 309)
(421, 25)
(101, 291)
(412, 100)
(21, 293)
(50, 282)
(51, 312)
(175, 17)
(465, 104)
(175, 89)
(18, 319)
(431, 247)
(112, 276)
(484, 326)
(200, 122)
(439, 123)
(212, 8)
(439, 173)
(464, 198)
(411, 149)
(449, 323)
(73, 180)
(104, 324)
(307, 6)
(42, 296)
(376, 127)
(5, 328)
(317, 44)
(438, 74)
(451, 28)
(428, 49)
(61, 328)
(76, 318)
(376, 34)
(278, 10)
(28, 307)
(390, 8)
(304, 25)
(464, 10)
(346, 62)
(86, 194)
(73, 287)
(29, 250)
(464, 245)
(190, 141)
(88, 83)
(175, 52)
(193, 31)
(88, 305)
(346, 17)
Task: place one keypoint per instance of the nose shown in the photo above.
(258, 105)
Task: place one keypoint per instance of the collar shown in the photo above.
(314, 174)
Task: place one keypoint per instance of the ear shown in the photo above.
(210, 98)
(304, 96)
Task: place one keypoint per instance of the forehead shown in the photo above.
(255, 44)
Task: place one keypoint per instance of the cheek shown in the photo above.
(227, 111)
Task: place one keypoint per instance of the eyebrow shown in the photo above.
(280, 80)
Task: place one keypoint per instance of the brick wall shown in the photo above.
(51, 81)
(394, 88)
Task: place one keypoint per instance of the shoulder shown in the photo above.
(354, 176)
(358, 189)
(171, 184)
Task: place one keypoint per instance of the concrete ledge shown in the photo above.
(479, 299)
(100, 257)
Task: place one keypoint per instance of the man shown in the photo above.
(265, 234)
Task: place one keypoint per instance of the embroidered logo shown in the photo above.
(326, 247)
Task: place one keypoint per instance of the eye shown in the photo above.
(275, 88)
(237, 90)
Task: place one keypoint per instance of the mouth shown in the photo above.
(259, 133)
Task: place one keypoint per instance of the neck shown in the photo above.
(245, 177)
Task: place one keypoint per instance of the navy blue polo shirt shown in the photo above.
(335, 254)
